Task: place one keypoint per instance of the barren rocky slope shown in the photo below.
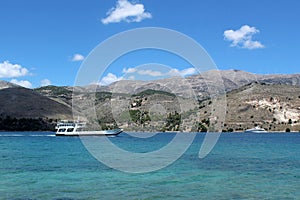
(273, 107)
(204, 85)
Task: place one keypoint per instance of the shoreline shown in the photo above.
(167, 132)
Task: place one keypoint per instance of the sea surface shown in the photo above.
(241, 166)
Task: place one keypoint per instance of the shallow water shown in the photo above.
(241, 166)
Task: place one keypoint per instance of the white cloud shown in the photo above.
(8, 70)
(171, 72)
(45, 82)
(184, 72)
(249, 44)
(150, 72)
(77, 57)
(22, 83)
(129, 70)
(131, 77)
(126, 11)
(188, 71)
(109, 78)
(243, 37)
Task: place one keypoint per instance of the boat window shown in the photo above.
(70, 129)
(62, 130)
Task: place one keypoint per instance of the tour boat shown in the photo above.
(76, 128)
(257, 129)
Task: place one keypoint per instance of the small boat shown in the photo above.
(76, 128)
(257, 129)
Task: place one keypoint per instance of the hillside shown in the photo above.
(24, 107)
(273, 107)
(145, 111)
(21, 102)
(61, 94)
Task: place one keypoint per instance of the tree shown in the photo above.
(201, 127)
(173, 121)
(230, 130)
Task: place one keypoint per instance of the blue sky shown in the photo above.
(44, 42)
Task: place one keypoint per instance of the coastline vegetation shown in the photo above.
(26, 124)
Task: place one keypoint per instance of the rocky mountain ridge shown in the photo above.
(203, 85)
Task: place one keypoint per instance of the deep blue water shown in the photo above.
(241, 166)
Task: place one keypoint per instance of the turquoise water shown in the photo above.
(241, 166)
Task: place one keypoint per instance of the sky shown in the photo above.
(44, 42)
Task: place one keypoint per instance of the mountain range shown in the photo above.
(271, 101)
(214, 80)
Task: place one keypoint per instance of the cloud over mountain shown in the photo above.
(9, 70)
(22, 83)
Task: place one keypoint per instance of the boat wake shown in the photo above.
(25, 135)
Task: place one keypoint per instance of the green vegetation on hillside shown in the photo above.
(173, 122)
(139, 117)
(54, 90)
(102, 96)
(152, 92)
(201, 127)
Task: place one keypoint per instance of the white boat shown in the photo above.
(76, 128)
(257, 129)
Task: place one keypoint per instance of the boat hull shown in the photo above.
(91, 133)
(256, 131)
